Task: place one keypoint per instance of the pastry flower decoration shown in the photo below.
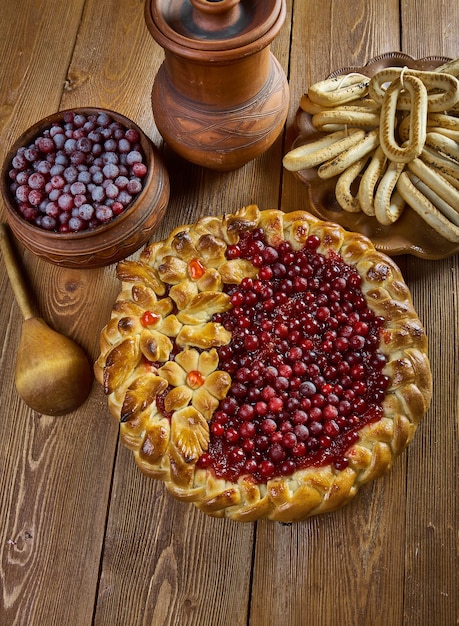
(196, 381)
(197, 388)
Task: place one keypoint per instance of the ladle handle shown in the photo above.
(14, 274)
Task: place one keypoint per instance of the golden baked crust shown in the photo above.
(159, 365)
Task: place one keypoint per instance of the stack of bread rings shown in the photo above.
(391, 140)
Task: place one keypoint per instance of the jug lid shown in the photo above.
(214, 25)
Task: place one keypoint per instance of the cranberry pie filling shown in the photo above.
(304, 362)
(264, 364)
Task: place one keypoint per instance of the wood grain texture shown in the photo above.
(54, 487)
(432, 504)
(58, 491)
(85, 538)
(36, 46)
(114, 62)
(360, 537)
(166, 563)
(419, 38)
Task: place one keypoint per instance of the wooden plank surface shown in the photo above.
(54, 482)
(84, 537)
(432, 501)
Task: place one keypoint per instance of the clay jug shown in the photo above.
(220, 98)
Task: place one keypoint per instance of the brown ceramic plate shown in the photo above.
(410, 234)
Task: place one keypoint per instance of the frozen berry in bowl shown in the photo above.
(84, 187)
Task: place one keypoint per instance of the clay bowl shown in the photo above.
(104, 244)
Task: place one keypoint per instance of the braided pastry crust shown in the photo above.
(159, 365)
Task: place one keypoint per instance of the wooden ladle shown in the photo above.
(53, 375)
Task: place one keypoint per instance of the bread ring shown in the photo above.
(425, 208)
(445, 88)
(357, 117)
(444, 120)
(443, 144)
(448, 211)
(450, 67)
(440, 162)
(417, 133)
(370, 179)
(333, 128)
(432, 127)
(388, 203)
(307, 105)
(440, 186)
(365, 105)
(344, 196)
(446, 132)
(321, 150)
(337, 165)
(366, 102)
(452, 181)
(339, 90)
(404, 128)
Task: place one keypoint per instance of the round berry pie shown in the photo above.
(264, 364)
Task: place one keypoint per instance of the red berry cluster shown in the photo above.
(304, 361)
(78, 174)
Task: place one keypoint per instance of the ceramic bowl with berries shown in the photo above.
(84, 188)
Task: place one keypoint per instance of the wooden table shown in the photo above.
(84, 537)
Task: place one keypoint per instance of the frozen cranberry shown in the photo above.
(52, 210)
(31, 154)
(110, 170)
(36, 181)
(134, 186)
(48, 222)
(132, 135)
(22, 193)
(78, 157)
(139, 169)
(133, 157)
(104, 213)
(35, 197)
